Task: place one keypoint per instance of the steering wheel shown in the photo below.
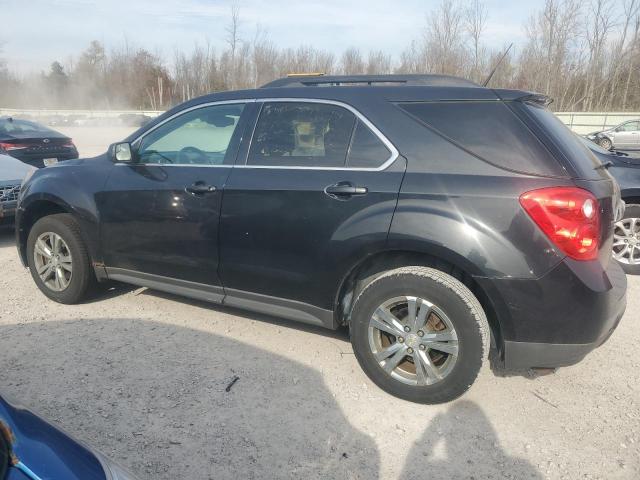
(192, 155)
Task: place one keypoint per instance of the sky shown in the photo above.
(36, 32)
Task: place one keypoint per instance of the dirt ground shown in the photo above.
(143, 377)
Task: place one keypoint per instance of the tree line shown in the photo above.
(584, 54)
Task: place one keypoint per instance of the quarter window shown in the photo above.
(302, 134)
(198, 137)
(367, 150)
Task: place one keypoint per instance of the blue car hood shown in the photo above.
(45, 450)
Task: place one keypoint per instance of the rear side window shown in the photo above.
(302, 134)
(367, 150)
(489, 130)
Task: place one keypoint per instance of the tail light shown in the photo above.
(69, 144)
(7, 147)
(569, 216)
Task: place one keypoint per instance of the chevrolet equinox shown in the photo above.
(442, 222)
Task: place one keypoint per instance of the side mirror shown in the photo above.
(121, 152)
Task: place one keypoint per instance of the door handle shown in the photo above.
(345, 190)
(200, 188)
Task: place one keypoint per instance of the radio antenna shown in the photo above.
(486, 82)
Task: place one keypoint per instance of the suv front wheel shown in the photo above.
(419, 334)
(58, 259)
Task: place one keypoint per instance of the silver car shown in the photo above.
(625, 136)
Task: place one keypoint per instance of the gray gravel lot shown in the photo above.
(142, 376)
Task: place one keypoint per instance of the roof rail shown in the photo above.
(370, 80)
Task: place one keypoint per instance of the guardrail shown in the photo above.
(587, 122)
(579, 122)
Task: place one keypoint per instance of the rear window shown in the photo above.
(12, 126)
(576, 152)
(489, 130)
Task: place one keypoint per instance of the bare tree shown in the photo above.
(352, 62)
(475, 22)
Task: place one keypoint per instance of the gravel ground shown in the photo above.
(143, 377)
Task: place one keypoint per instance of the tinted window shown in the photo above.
(198, 137)
(301, 134)
(489, 130)
(367, 150)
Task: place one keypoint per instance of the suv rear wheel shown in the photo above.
(626, 240)
(419, 334)
(58, 259)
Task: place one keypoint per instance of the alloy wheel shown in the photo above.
(413, 340)
(53, 262)
(626, 241)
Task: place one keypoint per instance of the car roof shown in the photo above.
(359, 94)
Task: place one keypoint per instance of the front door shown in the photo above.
(160, 214)
(627, 135)
(317, 191)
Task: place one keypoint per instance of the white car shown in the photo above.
(625, 136)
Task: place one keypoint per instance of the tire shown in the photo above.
(605, 143)
(626, 234)
(455, 308)
(75, 284)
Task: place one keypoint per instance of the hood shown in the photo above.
(12, 169)
(45, 450)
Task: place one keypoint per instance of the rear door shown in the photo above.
(317, 190)
(160, 215)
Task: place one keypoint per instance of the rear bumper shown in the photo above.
(558, 319)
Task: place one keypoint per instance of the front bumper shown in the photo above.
(558, 319)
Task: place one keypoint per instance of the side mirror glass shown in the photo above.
(122, 152)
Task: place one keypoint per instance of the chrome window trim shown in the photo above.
(394, 151)
(178, 114)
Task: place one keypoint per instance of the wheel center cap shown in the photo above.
(413, 340)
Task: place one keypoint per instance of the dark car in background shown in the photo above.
(31, 448)
(12, 174)
(33, 143)
(383, 204)
(626, 236)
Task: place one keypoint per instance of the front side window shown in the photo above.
(302, 134)
(630, 127)
(198, 137)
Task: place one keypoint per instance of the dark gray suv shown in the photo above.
(384, 204)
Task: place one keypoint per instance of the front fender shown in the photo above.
(64, 188)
